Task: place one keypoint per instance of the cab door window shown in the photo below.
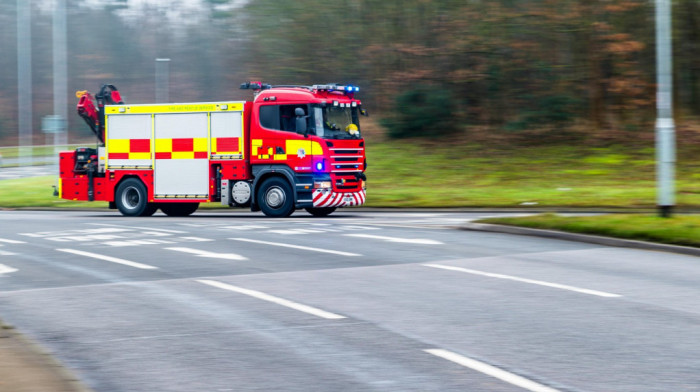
(280, 117)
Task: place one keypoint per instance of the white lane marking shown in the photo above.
(195, 239)
(6, 270)
(525, 280)
(6, 253)
(335, 252)
(204, 253)
(273, 299)
(140, 228)
(299, 231)
(11, 241)
(242, 227)
(492, 371)
(420, 241)
(137, 242)
(108, 258)
(65, 233)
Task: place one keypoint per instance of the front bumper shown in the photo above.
(328, 198)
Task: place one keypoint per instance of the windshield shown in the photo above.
(335, 122)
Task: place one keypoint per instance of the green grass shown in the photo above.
(35, 192)
(678, 230)
(401, 174)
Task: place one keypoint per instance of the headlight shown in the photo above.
(322, 184)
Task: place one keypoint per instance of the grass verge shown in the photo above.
(678, 230)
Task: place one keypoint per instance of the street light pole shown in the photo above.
(60, 71)
(24, 80)
(665, 127)
(162, 80)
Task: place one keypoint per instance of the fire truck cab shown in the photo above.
(292, 147)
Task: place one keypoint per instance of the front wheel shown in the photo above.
(131, 198)
(275, 197)
(320, 211)
(178, 209)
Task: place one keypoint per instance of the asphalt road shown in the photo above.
(359, 301)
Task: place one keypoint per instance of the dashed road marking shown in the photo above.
(525, 280)
(108, 258)
(299, 231)
(139, 228)
(335, 252)
(420, 241)
(6, 253)
(510, 378)
(243, 227)
(270, 298)
(213, 255)
(6, 270)
(11, 241)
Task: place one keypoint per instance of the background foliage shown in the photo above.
(501, 67)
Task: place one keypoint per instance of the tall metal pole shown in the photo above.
(60, 70)
(162, 80)
(24, 79)
(665, 127)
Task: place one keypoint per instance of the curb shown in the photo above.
(63, 378)
(587, 238)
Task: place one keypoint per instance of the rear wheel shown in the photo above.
(320, 211)
(275, 197)
(131, 198)
(178, 209)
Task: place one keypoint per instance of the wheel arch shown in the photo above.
(264, 172)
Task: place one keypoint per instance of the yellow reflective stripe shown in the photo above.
(164, 145)
(316, 149)
(281, 157)
(119, 145)
(200, 144)
(183, 155)
(140, 155)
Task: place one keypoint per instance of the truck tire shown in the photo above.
(131, 198)
(275, 197)
(178, 209)
(320, 211)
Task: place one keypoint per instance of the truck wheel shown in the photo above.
(131, 198)
(151, 209)
(320, 211)
(275, 197)
(178, 209)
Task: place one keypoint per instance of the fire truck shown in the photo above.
(291, 147)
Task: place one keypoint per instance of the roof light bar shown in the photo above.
(334, 87)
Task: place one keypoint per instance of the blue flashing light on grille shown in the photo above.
(319, 166)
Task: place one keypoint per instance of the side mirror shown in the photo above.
(300, 120)
(364, 112)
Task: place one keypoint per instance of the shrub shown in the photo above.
(424, 111)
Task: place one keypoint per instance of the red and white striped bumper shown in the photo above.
(333, 199)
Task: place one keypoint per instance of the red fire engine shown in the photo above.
(292, 147)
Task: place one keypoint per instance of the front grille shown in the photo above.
(347, 160)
